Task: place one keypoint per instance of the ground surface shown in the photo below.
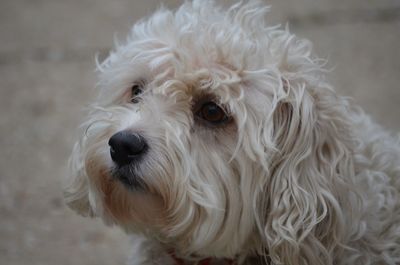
(47, 50)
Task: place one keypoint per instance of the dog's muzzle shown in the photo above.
(127, 147)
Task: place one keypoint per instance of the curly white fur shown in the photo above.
(302, 176)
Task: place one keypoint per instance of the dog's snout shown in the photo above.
(125, 147)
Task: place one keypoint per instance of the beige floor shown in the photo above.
(47, 50)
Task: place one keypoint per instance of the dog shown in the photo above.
(216, 139)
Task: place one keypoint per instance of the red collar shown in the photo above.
(207, 261)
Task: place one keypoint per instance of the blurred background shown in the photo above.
(47, 50)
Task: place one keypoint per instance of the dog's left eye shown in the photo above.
(136, 90)
(212, 113)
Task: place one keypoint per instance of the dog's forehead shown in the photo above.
(193, 73)
(198, 60)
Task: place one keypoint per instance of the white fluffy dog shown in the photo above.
(216, 139)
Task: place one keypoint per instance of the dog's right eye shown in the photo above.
(212, 113)
(136, 90)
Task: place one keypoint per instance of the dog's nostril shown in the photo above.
(126, 147)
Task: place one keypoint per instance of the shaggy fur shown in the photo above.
(298, 176)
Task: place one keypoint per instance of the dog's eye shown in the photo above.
(136, 90)
(212, 113)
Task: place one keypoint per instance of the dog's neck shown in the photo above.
(206, 261)
(258, 260)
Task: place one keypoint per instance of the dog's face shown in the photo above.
(191, 128)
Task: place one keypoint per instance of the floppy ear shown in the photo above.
(76, 189)
(310, 179)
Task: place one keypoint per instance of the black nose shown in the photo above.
(125, 147)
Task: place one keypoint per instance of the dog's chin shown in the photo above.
(129, 176)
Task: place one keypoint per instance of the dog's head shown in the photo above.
(214, 133)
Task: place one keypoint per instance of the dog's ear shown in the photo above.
(308, 189)
(76, 189)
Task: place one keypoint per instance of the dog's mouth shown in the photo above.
(129, 176)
